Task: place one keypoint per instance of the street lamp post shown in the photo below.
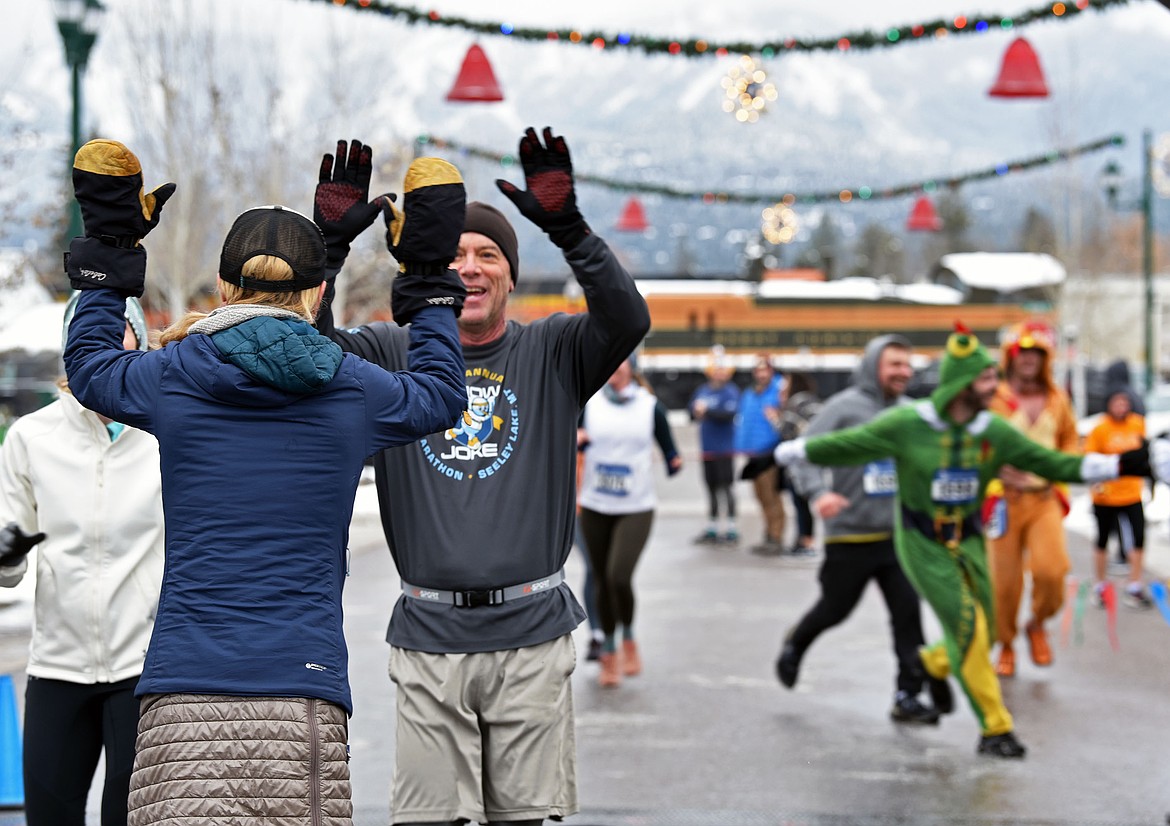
(77, 21)
(1148, 251)
(1111, 180)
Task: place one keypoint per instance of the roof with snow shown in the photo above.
(1004, 272)
(29, 318)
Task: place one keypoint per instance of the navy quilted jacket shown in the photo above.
(263, 430)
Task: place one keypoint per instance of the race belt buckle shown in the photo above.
(479, 599)
(953, 522)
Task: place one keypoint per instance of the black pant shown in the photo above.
(804, 518)
(615, 543)
(847, 569)
(719, 474)
(66, 726)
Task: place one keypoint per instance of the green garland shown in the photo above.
(863, 193)
(700, 47)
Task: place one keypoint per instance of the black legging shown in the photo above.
(719, 474)
(66, 726)
(615, 543)
(847, 569)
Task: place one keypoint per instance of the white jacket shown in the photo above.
(99, 568)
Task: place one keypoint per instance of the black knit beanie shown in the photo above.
(489, 221)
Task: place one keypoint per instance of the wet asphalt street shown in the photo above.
(706, 735)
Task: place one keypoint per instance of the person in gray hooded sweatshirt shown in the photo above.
(857, 506)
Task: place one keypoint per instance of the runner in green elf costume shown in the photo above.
(945, 450)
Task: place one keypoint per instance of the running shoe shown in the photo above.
(1098, 598)
(729, 537)
(1001, 745)
(788, 665)
(1038, 644)
(707, 537)
(909, 709)
(1137, 599)
(769, 547)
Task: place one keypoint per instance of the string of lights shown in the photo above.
(862, 193)
(863, 40)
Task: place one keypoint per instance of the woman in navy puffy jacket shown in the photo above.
(263, 427)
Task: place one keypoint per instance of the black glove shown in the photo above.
(424, 238)
(117, 214)
(341, 204)
(757, 465)
(15, 544)
(550, 201)
(1136, 462)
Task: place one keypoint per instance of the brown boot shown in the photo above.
(631, 659)
(611, 670)
(1038, 642)
(1006, 667)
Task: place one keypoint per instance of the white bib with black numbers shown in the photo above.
(880, 478)
(619, 462)
(954, 486)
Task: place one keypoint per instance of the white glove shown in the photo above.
(788, 452)
(1160, 459)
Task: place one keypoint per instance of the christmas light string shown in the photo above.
(705, 47)
(862, 193)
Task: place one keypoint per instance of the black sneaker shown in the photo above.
(940, 694)
(1001, 745)
(802, 550)
(788, 665)
(593, 653)
(909, 709)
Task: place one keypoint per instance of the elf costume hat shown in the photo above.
(964, 359)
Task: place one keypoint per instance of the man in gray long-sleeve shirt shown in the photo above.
(857, 506)
(479, 520)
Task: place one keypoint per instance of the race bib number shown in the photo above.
(954, 486)
(612, 480)
(880, 478)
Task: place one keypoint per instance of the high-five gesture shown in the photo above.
(550, 201)
(341, 204)
(117, 213)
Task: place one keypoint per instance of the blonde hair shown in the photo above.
(304, 303)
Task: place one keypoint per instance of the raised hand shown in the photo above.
(550, 201)
(341, 203)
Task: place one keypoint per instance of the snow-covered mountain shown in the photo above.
(881, 118)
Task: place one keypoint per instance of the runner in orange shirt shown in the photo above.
(1024, 513)
(1117, 504)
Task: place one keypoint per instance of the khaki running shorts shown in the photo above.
(485, 736)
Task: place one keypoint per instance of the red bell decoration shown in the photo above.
(476, 81)
(923, 218)
(1020, 76)
(633, 218)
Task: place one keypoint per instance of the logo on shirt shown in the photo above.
(482, 440)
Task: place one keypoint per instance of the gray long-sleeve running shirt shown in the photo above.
(490, 502)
